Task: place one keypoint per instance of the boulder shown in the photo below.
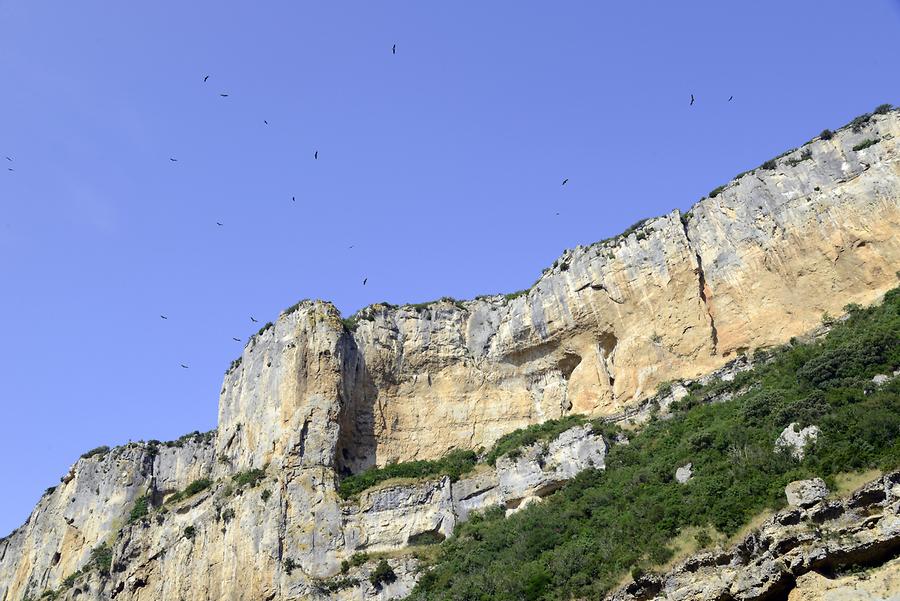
(805, 493)
(795, 440)
(684, 473)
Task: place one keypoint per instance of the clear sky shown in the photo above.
(441, 164)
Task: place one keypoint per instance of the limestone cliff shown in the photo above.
(314, 396)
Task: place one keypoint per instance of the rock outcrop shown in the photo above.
(314, 397)
(821, 538)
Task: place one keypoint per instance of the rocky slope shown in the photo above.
(792, 553)
(310, 398)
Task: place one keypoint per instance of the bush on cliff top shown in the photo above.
(582, 540)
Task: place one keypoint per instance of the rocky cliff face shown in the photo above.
(676, 297)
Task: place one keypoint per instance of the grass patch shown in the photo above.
(865, 144)
(550, 429)
(140, 509)
(190, 490)
(249, 477)
(587, 536)
(101, 450)
(850, 481)
(517, 294)
(453, 464)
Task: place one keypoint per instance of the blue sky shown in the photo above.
(441, 164)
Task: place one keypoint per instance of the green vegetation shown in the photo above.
(101, 450)
(196, 437)
(290, 565)
(235, 363)
(263, 329)
(826, 134)
(517, 294)
(716, 191)
(294, 307)
(249, 478)
(509, 444)
(190, 490)
(101, 558)
(771, 165)
(453, 464)
(585, 538)
(382, 574)
(859, 122)
(805, 155)
(140, 509)
(883, 109)
(350, 323)
(865, 144)
(333, 585)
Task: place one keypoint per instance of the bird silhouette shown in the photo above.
(224, 95)
(565, 181)
(174, 160)
(184, 366)
(235, 339)
(351, 246)
(8, 159)
(293, 199)
(266, 122)
(219, 223)
(164, 317)
(394, 49)
(253, 320)
(316, 155)
(10, 169)
(205, 78)
(730, 98)
(692, 100)
(365, 280)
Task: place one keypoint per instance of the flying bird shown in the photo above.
(316, 155)
(174, 160)
(565, 181)
(730, 98)
(8, 159)
(253, 320)
(205, 78)
(692, 100)
(184, 366)
(351, 246)
(365, 280)
(224, 95)
(219, 223)
(164, 317)
(293, 199)
(235, 339)
(266, 122)
(394, 49)
(10, 169)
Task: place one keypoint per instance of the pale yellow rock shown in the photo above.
(876, 584)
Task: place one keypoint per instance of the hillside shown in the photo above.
(307, 488)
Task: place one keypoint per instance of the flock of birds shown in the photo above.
(294, 198)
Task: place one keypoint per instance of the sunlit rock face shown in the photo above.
(313, 398)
